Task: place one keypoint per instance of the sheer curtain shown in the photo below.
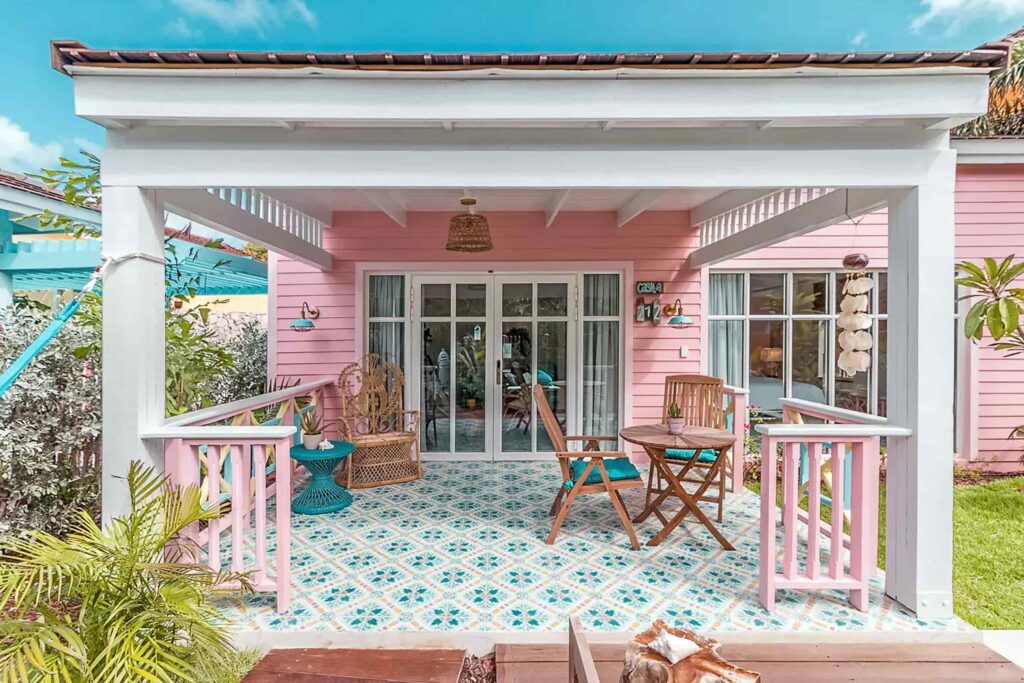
(386, 308)
(725, 337)
(601, 321)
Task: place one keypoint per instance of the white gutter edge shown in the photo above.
(989, 151)
(525, 73)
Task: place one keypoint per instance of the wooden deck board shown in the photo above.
(790, 662)
(341, 665)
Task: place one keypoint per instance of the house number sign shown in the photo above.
(648, 287)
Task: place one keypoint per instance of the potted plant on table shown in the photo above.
(675, 422)
(312, 429)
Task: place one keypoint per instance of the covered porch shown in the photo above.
(463, 550)
(336, 171)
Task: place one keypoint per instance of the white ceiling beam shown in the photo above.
(818, 213)
(391, 205)
(557, 201)
(202, 207)
(727, 201)
(639, 203)
(205, 157)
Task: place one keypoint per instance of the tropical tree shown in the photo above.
(110, 604)
(1005, 114)
(194, 359)
(999, 299)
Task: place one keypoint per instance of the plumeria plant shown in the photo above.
(998, 299)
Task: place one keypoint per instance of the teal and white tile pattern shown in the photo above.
(463, 550)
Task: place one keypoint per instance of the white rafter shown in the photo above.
(252, 215)
(557, 201)
(387, 202)
(727, 201)
(637, 204)
(825, 209)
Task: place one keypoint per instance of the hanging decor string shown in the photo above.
(855, 340)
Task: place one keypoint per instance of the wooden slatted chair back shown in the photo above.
(551, 425)
(700, 398)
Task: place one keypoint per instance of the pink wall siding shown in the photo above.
(656, 243)
(989, 222)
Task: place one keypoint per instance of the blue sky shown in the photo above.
(37, 121)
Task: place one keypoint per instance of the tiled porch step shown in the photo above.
(789, 662)
(359, 666)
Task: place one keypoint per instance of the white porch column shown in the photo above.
(133, 336)
(919, 496)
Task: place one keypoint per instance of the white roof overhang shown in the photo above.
(938, 97)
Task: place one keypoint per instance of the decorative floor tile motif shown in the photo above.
(463, 550)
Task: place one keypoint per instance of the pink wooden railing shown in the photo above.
(851, 560)
(243, 464)
(736, 407)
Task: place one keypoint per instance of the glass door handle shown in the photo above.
(497, 373)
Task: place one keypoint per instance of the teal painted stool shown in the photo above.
(322, 495)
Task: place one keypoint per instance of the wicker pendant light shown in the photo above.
(469, 231)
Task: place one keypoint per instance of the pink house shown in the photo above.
(651, 215)
(752, 314)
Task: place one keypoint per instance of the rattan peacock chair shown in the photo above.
(373, 418)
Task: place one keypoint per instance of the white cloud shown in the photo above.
(180, 28)
(254, 15)
(954, 12)
(859, 38)
(18, 152)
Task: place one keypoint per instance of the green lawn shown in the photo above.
(988, 552)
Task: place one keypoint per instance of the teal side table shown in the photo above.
(322, 495)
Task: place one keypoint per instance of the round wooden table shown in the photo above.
(655, 439)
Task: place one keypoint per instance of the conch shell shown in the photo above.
(643, 665)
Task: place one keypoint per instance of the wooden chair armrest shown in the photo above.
(604, 437)
(590, 454)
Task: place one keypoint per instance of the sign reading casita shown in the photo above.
(648, 287)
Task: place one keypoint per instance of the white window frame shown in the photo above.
(787, 317)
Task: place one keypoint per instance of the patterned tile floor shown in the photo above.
(463, 550)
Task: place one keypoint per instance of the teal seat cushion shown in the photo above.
(687, 453)
(617, 468)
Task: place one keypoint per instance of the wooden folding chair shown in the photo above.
(701, 403)
(589, 470)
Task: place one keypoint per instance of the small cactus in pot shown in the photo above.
(675, 422)
(312, 429)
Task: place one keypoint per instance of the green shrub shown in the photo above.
(49, 426)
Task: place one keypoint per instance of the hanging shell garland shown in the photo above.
(855, 339)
